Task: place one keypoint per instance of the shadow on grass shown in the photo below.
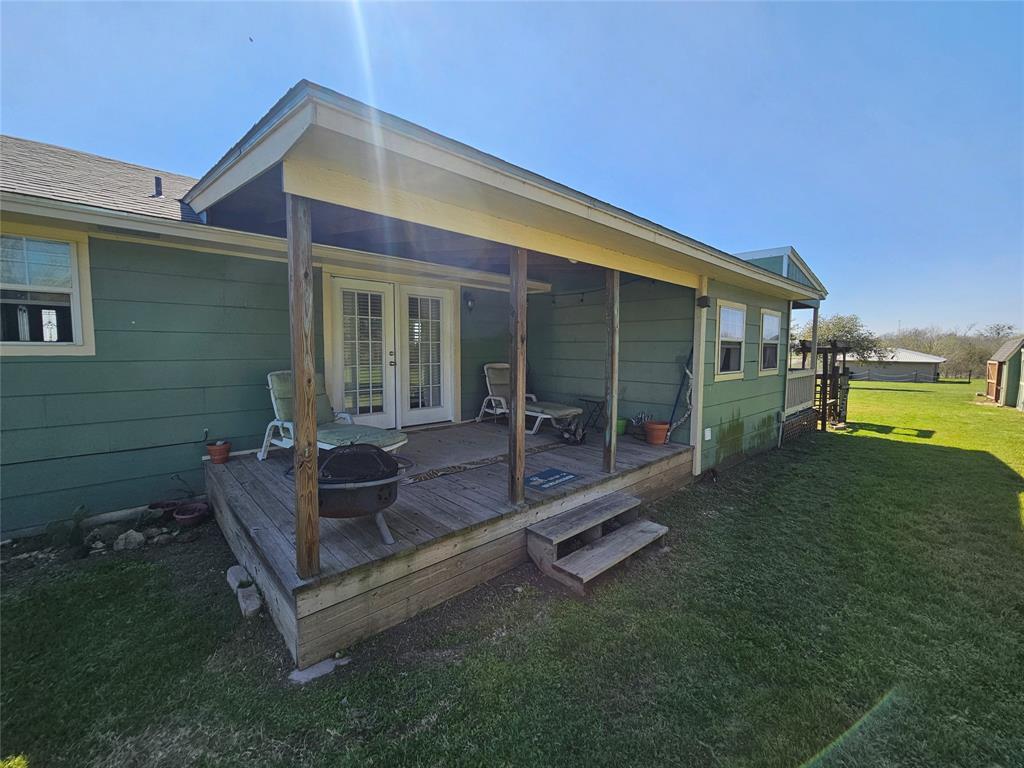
(888, 429)
(890, 389)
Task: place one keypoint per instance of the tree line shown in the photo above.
(966, 350)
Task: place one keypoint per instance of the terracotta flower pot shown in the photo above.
(219, 452)
(191, 514)
(656, 431)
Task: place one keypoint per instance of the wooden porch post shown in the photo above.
(300, 312)
(814, 340)
(517, 377)
(611, 367)
(814, 364)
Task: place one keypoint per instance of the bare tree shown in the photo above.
(849, 330)
(966, 351)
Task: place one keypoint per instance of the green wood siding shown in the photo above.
(797, 274)
(776, 264)
(184, 341)
(484, 339)
(743, 413)
(567, 345)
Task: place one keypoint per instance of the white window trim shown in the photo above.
(84, 344)
(731, 375)
(760, 346)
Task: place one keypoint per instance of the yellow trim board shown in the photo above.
(308, 179)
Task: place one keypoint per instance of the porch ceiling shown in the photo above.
(335, 150)
(258, 206)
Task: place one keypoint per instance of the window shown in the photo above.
(424, 352)
(771, 339)
(732, 324)
(362, 317)
(44, 302)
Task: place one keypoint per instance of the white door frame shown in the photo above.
(388, 419)
(446, 411)
(397, 412)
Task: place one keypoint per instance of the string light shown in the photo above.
(585, 291)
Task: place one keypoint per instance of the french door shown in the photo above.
(364, 354)
(425, 369)
(393, 353)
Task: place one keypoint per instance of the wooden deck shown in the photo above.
(453, 526)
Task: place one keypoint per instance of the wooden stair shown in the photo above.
(608, 529)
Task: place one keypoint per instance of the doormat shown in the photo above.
(549, 478)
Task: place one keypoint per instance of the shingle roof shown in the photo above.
(56, 173)
(1008, 349)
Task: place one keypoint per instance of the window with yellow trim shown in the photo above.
(771, 339)
(732, 324)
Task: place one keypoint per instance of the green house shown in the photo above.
(142, 311)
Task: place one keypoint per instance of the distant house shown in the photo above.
(1004, 372)
(899, 365)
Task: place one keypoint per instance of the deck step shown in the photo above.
(591, 561)
(562, 527)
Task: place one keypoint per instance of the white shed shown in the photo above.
(899, 365)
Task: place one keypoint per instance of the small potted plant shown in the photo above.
(219, 451)
(635, 426)
(656, 432)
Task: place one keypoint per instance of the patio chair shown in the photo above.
(496, 402)
(333, 429)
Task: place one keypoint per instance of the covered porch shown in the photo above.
(380, 213)
(454, 526)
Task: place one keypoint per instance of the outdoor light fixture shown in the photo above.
(468, 300)
(703, 302)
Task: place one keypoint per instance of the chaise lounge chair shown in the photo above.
(332, 429)
(498, 394)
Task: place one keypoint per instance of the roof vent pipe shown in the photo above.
(158, 185)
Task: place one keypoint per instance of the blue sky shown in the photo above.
(885, 142)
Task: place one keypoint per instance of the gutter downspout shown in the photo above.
(785, 371)
(700, 323)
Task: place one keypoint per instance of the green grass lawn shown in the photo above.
(854, 599)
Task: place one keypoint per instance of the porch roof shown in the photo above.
(338, 150)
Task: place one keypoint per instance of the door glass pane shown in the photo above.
(362, 325)
(424, 363)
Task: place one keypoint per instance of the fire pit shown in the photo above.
(358, 480)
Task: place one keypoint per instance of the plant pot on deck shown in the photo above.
(620, 426)
(656, 432)
(219, 452)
